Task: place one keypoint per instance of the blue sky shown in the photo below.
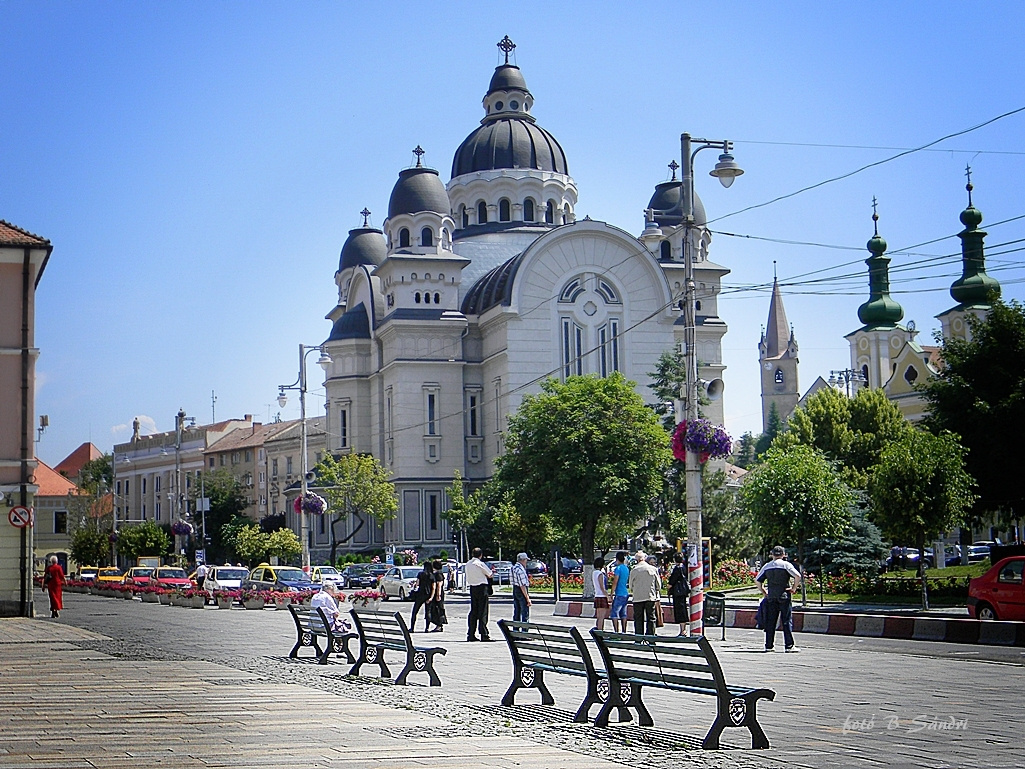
(197, 167)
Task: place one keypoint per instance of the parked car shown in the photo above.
(978, 551)
(358, 575)
(109, 576)
(170, 577)
(225, 577)
(999, 594)
(399, 581)
(501, 572)
(87, 573)
(283, 579)
(138, 575)
(571, 566)
(322, 574)
(908, 560)
(378, 570)
(536, 568)
(951, 553)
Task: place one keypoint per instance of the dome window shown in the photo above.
(427, 297)
(528, 210)
(404, 238)
(482, 213)
(514, 105)
(416, 297)
(426, 237)
(665, 251)
(437, 298)
(504, 214)
(499, 105)
(550, 212)
(465, 216)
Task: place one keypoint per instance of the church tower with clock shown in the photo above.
(777, 354)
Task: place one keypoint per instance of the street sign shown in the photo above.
(20, 517)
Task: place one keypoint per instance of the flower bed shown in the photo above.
(364, 599)
(573, 583)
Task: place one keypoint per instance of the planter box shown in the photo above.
(149, 597)
(367, 605)
(164, 599)
(224, 603)
(254, 603)
(197, 602)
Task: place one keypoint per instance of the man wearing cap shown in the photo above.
(520, 585)
(646, 588)
(774, 581)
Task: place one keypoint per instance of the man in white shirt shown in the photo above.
(774, 580)
(326, 600)
(477, 576)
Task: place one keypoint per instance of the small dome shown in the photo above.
(667, 198)
(419, 189)
(492, 289)
(509, 142)
(354, 324)
(365, 245)
(971, 217)
(507, 77)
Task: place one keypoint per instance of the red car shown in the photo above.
(170, 576)
(138, 575)
(999, 593)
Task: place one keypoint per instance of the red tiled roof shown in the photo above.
(72, 464)
(11, 235)
(51, 483)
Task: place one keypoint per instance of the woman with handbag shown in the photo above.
(679, 590)
(53, 581)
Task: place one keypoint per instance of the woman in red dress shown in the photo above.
(53, 579)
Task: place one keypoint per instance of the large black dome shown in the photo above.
(667, 198)
(507, 77)
(509, 142)
(419, 189)
(365, 245)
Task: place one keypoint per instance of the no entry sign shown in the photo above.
(20, 517)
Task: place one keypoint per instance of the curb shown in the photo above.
(960, 631)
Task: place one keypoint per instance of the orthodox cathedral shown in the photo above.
(476, 290)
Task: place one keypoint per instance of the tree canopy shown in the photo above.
(356, 484)
(979, 395)
(228, 499)
(146, 538)
(582, 451)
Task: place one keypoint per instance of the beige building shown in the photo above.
(23, 258)
(51, 527)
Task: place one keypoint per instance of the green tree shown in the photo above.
(725, 522)
(745, 455)
(96, 475)
(921, 489)
(772, 428)
(146, 538)
(669, 376)
(857, 551)
(581, 451)
(979, 395)
(252, 545)
(228, 499)
(283, 544)
(355, 484)
(229, 535)
(850, 431)
(795, 494)
(90, 545)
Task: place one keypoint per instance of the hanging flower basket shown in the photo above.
(703, 437)
(313, 504)
(112, 537)
(181, 528)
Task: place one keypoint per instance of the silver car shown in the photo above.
(399, 582)
(224, 577)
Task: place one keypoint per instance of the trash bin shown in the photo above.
(715, 611)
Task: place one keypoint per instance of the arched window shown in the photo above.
(482, 213)
(911, 375)
(528, 210)
(864, 374)
(403, 238)
(437, 298)
(550, 212)
(427, 297)
(779, 376)
(465, 216)
(665, 251)
(503, 210)
(416, 297)
(426, 237)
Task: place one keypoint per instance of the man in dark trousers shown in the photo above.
(774, 581)
(477, 576)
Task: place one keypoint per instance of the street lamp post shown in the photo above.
(726, 170)
(300, 385)
(846, 376)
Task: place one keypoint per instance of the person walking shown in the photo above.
(646, 588)
(601, 593)
(422, 595)
(201, 572)
(521, 588)
(620, 592)
(436, 607)
(774, 581)
(679, 590)
(53, 581)
(478, 577)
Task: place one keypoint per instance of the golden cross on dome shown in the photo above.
(506, 46)
(419, 152)
(672, 167)
(365, 213)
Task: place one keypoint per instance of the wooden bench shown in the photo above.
(311, 623)
(537, 649)
(379, 631)
(679, 664)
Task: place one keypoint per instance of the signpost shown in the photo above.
(20, 517)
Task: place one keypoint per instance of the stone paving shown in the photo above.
(116, 684)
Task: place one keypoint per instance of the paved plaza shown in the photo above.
(127, 684)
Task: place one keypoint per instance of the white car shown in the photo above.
(224, 577)
(326, 574)
(399, 582)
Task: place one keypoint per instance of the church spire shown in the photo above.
(880, 309)
(777, 332)
(974, 287)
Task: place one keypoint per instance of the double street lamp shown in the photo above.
(726, 170)
(300, 385)
(846, 377)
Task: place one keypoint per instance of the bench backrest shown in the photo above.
(674, 662)
(557, 646)
(381, 627)
(309, 619)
